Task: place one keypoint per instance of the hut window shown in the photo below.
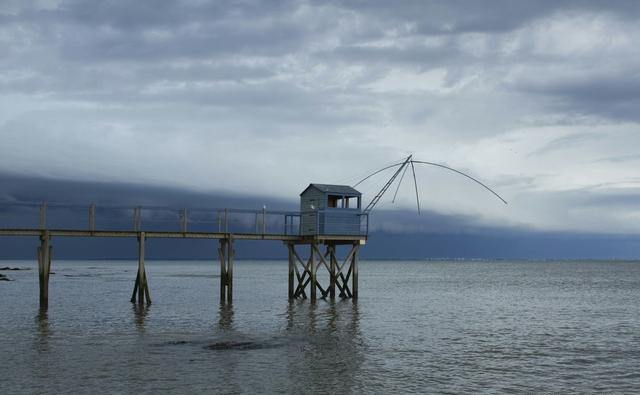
(351, 202)
(334, 201)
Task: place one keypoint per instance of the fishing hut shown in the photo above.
(330, 210)
(330, 216)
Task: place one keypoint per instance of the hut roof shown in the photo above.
(337, 189)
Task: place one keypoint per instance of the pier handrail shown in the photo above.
(228, 220)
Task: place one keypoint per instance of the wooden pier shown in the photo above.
(308, 254)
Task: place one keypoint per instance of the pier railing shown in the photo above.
(155, 218)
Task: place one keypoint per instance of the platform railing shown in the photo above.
(51, 215)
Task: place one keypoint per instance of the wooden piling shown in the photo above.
(354, 270)
(226, 253)
(312, 270)
(292, 268)
(223, 268)
(141, 268)
(135, 287)
(141, 287)
(44, 268)
(231, 254)
(332, 271)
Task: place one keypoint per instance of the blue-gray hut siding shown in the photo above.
(320, 219)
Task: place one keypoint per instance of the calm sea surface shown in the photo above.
(426, 327)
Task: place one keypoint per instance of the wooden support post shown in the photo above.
(226, 252)
(222, 254)
(312, 270)
(135, 287)
(231, 254)
(292, 268)
(141, 287)
(140, 267)
(302, 278)
(44, 268)
(332, 271)
(354, 270)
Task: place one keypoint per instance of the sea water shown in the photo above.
(418, 326)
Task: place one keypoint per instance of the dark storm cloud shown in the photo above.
(604, 198)
(395, 235)
(109, 50)
(612, 96)
(447, 17)
(29, 189)
(151, 31)
(493, 16)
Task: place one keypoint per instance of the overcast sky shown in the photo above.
(538, 99)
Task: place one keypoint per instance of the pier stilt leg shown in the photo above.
(312, 272)
(332, 271)
(292, 268)
(354, 268)
(302, 279)
(231, 254)
(141, 287)
(226, 252)
(222, 254)
(135, 288)
(44, 268)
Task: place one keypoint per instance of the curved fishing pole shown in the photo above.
(461, 173)
(415, 182)
(379, 171)
(399, 183)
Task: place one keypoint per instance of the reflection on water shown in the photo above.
(140, 313)
(330, 353)
(324, 315)
(225, 314)
(44, 332)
